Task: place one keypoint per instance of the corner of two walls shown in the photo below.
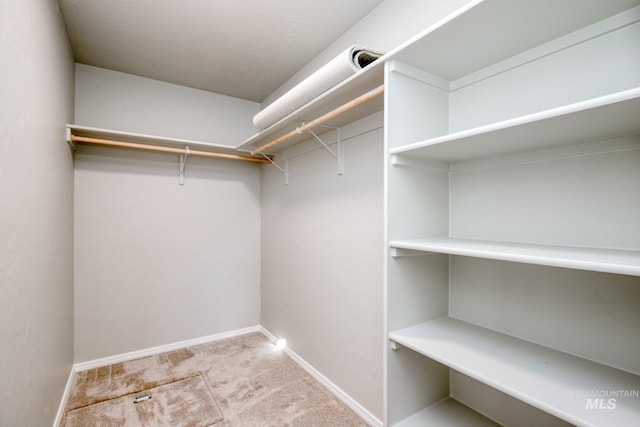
(157, 262)
(322, 259)
(36, 212)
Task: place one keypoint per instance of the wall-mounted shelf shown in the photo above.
(361, 82)
(608, 116)
(140, 138)
(542, 377)
(136, 141)
(591, 259)
(139, 141)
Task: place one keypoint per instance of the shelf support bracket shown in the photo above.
(285, 170)
(433, 165)
(183, 163)
(399, 252)
(395, 346)
(338, 154)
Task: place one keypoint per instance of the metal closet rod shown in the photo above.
(159, 148)
(322, 119)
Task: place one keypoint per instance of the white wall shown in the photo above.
(322, 248)
(156, 262)
(114, 100)
(36, 212)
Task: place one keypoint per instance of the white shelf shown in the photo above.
(363, 81)
(485, 32)
(596, 119)
(550, 380)
(141, 138)
(446, 413)
(591, 259)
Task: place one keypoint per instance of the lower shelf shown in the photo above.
(446, 413)
(573, 389)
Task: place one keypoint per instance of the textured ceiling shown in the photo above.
(240, 48)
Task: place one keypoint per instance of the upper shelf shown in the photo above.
(478, 35)
(596, 119)
(351, 88)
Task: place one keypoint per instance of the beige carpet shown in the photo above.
(185, 402)
(242, 381)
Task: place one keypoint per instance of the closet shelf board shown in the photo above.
(364, 80)
(478, 35)
(446, 413)
(553, 381)
(579, 258)
(140, 138)
(596, 119)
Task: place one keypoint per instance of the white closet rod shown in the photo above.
(322, 119)
(159, 148)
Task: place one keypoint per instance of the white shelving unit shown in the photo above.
(512, 276)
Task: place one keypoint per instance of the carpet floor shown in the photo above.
(240, 381)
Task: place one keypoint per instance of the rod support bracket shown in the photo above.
(183, 163)
(284, 170)
(338, 154)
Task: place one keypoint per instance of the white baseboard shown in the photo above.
(65, 397)
(124, 357)
(340, 394)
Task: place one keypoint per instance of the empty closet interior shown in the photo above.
(504, 201)
(449, 236)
